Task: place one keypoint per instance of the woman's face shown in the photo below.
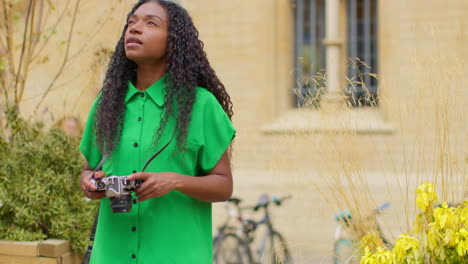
(146, 35)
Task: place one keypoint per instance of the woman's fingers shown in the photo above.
(142, 193)
(89, 189)
(144, 197)
(99, 174)
(95, 195)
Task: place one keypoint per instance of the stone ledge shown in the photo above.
(51, 251)
(358, 121)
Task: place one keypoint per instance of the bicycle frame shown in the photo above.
(244, 230)
(269, 232)
(345, 222)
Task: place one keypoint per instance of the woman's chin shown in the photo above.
(132, 57)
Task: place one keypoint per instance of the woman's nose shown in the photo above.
(135, 28)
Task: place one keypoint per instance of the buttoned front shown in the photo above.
(173, 228)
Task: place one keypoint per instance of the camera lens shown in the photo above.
(100, 184)
(122, 204)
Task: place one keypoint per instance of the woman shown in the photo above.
(151, 97)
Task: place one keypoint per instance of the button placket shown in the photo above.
(134, 225)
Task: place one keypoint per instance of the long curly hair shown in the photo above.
(187, 67)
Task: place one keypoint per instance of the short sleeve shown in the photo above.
(88, 146)
(213, 128)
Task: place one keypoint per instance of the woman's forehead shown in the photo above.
(151, 9)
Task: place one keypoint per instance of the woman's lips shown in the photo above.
(134, 42)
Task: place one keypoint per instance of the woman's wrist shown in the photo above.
(178, 181)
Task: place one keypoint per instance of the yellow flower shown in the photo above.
(446, 222)
(445, 216)
(463, 212)
(426, 196)
(462, 242)
(406, 249)
(372, 241)
(433, 236)
(382, 256)
(367, 258)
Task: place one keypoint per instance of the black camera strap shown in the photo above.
(87, 256)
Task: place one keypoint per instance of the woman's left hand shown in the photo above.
(154, 184)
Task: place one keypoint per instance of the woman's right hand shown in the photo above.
(87, 187)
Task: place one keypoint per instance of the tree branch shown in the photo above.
(27, 60)
(65, 60)
(15, 84)
(93, 35)
(9, 38)
(4, 87)
(51, 32)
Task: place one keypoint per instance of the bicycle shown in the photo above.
(229, 245)
(233, 244)
(273, 248)
(345, 249)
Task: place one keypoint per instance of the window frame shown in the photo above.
(361, 84)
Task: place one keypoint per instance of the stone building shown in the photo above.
(339, 150)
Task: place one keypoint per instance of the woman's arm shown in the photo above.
(214, 187)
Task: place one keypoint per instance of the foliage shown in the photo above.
(40, 194)
(442, 235)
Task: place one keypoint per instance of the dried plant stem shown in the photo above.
(65, 60)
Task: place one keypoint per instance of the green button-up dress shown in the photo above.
(174, 228)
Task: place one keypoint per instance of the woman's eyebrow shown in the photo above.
(148, 16)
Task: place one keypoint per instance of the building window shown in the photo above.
(362, 52)
(360, 49)
(309, 51)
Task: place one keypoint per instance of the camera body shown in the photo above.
(119, 190)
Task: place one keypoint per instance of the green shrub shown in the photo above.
(40, 194)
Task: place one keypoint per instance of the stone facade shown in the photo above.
(418, 131)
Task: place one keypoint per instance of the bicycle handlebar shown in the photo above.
(383, 206)
(264, 201)
(346, 215)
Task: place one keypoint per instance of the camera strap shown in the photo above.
(87, 256)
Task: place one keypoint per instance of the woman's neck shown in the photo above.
(148, 74)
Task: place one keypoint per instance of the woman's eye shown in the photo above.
(152, 23)
(130, 22)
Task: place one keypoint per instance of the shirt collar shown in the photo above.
(156, 91)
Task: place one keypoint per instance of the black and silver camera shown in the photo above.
(119, 190)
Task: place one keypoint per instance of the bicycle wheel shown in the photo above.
(345, 251)
(231, 250)
(276, 250)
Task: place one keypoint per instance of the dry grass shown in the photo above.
(429, 143)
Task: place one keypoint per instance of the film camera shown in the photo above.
(119, 190)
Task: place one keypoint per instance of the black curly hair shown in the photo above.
(187, 66)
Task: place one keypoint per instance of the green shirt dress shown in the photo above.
(174, 228)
